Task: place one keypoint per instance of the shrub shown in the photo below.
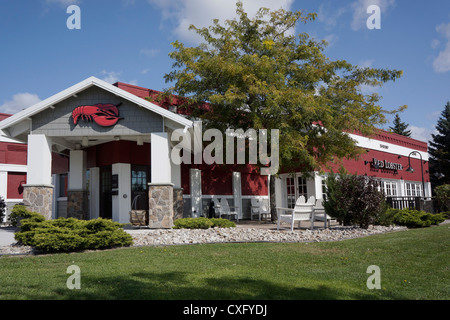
(20, 212)
(2, 208)
(412, 218)
(222, 223)
(202, 223)
(443, 197)
(353, 199)
(70, 234)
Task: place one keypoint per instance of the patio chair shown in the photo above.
(224, 209)
(259, 208)
(303, 211)
(320, 215)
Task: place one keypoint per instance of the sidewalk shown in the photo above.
(7, 236)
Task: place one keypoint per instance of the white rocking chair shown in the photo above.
(303, 211)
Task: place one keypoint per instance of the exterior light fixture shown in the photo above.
(410, 169)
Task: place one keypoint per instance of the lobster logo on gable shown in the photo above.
(104, 115)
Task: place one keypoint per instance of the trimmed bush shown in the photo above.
(202, 223)
(20, 212)
(411, 218)
(70, 234)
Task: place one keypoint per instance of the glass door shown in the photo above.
(139, 187)
(105, 192)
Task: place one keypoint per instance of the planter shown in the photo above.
(139, 217)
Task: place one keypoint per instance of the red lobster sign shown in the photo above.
(104, 115)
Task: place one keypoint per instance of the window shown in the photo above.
(390, 188)
(63, 185)
(290, 192)
(301, 187)
(413, 189)
(138, 180)
(295, 187)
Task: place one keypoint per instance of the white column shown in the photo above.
(121, 203)
(279, 192)
(318, 185)
(427, 189)
(237, 193)
(77, 170)
(196, 192)
(94, 192)
(176, 175)
(3, 184)
(39, 160)
(55, 183)
(160, 158)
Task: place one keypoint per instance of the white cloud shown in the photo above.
(201, 13)
(19, 102)
(110, 76)
(435, 43)
(421, 133)
(360, 14)
(442, 62)
(330, 19)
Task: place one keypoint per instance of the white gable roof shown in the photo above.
(89, 82)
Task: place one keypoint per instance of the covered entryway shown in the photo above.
(120, 138)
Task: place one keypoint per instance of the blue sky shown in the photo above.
(129, 41)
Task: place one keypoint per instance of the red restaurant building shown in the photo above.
(100, 150)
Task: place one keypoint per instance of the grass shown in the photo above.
(414, 264)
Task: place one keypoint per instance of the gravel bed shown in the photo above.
(163, 237)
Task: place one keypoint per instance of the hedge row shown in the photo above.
(69, 234)
(412, 218)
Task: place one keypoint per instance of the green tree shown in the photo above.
(255, 73)
(400, 127)
(439, 150)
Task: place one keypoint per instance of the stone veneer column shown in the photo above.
(160, 197)
(178, 203)
(38, 198)
(78, 205)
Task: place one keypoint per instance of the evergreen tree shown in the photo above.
(439, 150)
(400, 127)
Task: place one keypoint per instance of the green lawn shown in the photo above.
(414, 264)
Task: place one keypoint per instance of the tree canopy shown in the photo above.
(439, 149)
(400, 127)
(256, 73)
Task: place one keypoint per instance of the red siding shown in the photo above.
(13, 153)
(217, 179)
(118, 152)
(360, 168)
(15, 182)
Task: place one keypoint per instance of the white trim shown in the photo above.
(374, 144)
(83, 85)
(13, 167)
(3, 138)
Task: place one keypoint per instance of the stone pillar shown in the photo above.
(77, 204)
(178, 203)
(38, 198)
(160, 197)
